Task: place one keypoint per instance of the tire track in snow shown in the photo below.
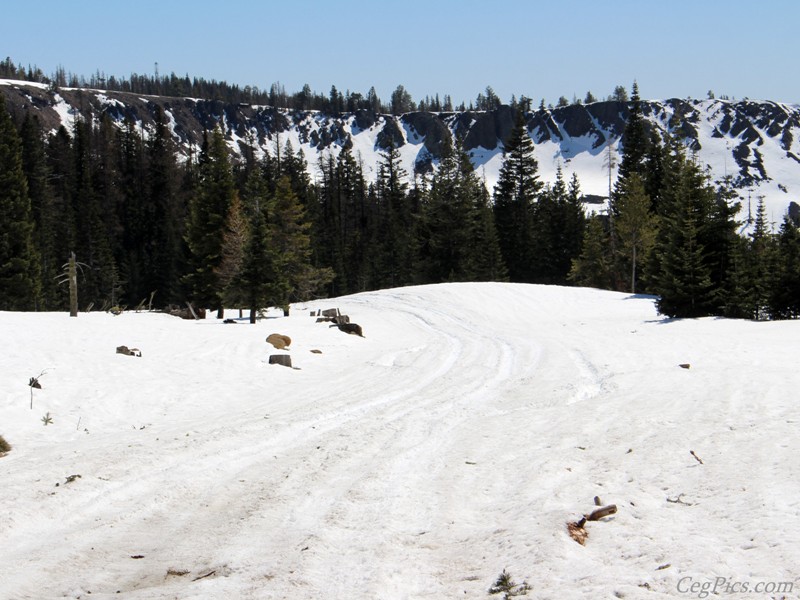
(380, 441)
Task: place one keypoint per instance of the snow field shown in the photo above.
(456, 439)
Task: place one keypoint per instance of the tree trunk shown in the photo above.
(73, 286)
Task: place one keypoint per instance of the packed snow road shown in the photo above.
(454, 440)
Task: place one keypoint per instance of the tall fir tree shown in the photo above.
(205, 228)
(785, 296)
(681, 266)
(557, 228)
(234, 244)
(43, 211)
(517, 190)
(636, 155)
(654, 170)
(574, 229)
(721, 239)
(761, 266)
(165, 250)
(592, 268)
(135, 216)
(341, 232)
(635, 139)
(482, 258)
(255, 285)
(634, 226)
(297, 278)
(445, 223)
(355, 230)
(331, 219)
(61, 165)
(484, 261)
(93, 243)
(19, 265)
(394, 234)
(261, 282)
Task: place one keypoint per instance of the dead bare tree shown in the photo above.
(70, 275)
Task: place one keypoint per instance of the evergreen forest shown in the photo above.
(254, 231)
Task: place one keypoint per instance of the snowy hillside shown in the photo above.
(756, 143)
(456, 439)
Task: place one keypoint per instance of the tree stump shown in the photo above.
(281, 359)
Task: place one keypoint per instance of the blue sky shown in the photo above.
(680, 48)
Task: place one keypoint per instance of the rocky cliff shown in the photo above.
(755, 142)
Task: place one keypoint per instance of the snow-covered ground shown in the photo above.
(456, 439)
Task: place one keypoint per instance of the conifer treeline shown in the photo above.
(671, 233)
(334, 102)
(252, 231)
(172, 85)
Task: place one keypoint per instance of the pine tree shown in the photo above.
(135, 218)
(165, 253)
(40, 191)
(61, 166)
(681, 270)
(331, 219)
(736, 304)
(19, 266)
(394, 234)
(635, 139)
(483, 260)
(208, 209)
(546, 227)
(760, 266)
(634, 225)
(354, 232)
(654, 170)
(235, 239)
(721, 239)
(515, 194)
(785, 296)
(296, 278)
(457, 239)
(260, 282)
(574, 228)
(445, 222)
(593, 267)
(341, 230)
(684, 286)
(93, 242)
(106, 176)
(557, 229)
